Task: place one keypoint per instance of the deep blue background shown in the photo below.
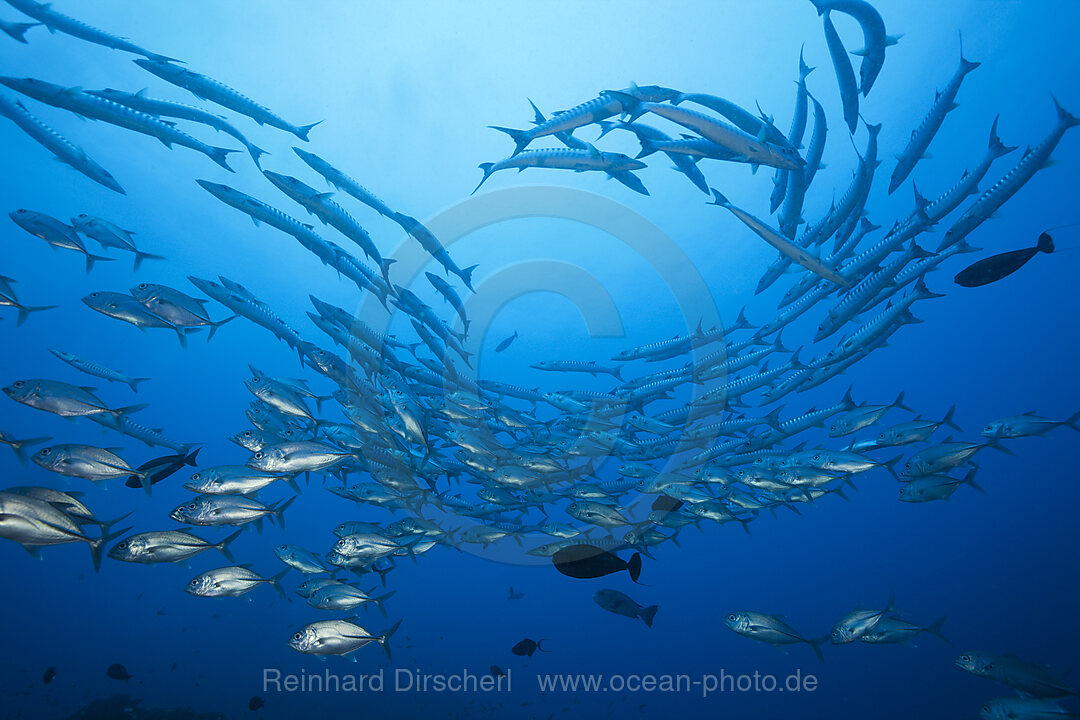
(406, 92)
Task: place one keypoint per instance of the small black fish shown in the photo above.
(160, 468)
(589, 561)
(49, 675)
(255, 703)
(506, 343)
(118, 672)
(497, 671)
(666, 503)
(996, 267)
(528, 647)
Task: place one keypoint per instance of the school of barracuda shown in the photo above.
(411, 431)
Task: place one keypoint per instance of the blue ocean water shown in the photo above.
(582, 268)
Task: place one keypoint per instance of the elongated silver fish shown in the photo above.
(207, 88)
(99, 108)
(58, 22)
(65, 151)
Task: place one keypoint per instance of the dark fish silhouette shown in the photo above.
(996, 267)
(49, 675)
(622, 604)
(255, 703)
(506, 343)
(118, 672)
(514, 595)
(589, 561)
(528, 647)
(666, 503)
(160, 468)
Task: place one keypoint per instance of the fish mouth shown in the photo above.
(176, 515)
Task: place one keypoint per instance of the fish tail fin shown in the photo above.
(995, 443)
(384, 267)
(899, 403)
(923, 292)
(998, 148)
(935, 629)
(107, 525)
(290, 480)
(948, 419)
(256, 152)
(773, 418)
(190, 454)
(91, 259)
(488, 169)
(970, 479)
(520, 137)
(631, 106)
(98, 544)
(223, 546)
(888, 465)
(220, 156)
(384, 639)
(140, 256)
(466, 276)
(17, 30)
(1046, 243)
(540, 643)
(918, 252)
(382, 599)
(647, 614)
(24, 312)
(302, 131)
(128, 410)
(741, 323)
(648, 147)
(275, 582)
(133, 383)
(1065, 118)
(1073, 422)
(634, 566)
(848, 402)
(277, 511)
(816, 644)
(966, 65)
(19, 446)
(804, 69)
(719, 199)
(215, 325)
(606, 126)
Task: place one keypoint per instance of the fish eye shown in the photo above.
(195, 476)
(195, 582)
(46, 451)
(192, 506)
(297, 636)
(986, 708)
(19, 383)
(142, 286)
(965, 658)
(122, 545)
(258, 456)
(731, 617)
